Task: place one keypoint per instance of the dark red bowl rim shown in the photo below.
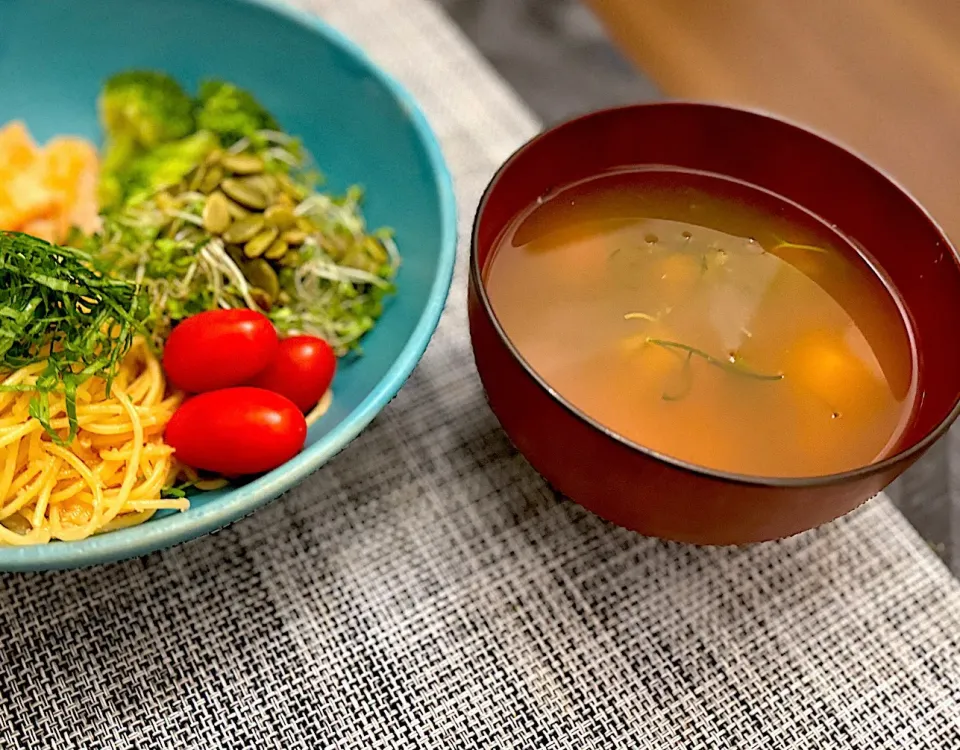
(724, 476)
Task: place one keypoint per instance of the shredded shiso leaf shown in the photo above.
(61, 309)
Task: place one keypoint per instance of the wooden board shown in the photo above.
(883, 76)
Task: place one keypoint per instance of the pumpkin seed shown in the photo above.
(290, 188)
(266, 183)
(285, 200)
(261, 275)
(245, 229)
(261, 298)
(305, 225)
(259, 244)
(211, 179)
(213, 157)
(377, 250)
(166, 202)
(294, 237)
(173, 227)
(216, 213)
(280, 217)
(251, 196)
(291, 260)
(360, 261)
(278, 248)
(195, 179)
(236, 253)
(335, 251)
(243, 163)
(236, 210)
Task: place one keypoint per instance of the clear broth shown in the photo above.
(708, 320)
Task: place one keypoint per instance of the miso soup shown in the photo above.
(708, 320)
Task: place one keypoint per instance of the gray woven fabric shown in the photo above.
(427, 590)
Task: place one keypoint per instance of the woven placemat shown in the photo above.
(427, 590)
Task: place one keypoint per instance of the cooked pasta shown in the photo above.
(321, 408)
(110, 476)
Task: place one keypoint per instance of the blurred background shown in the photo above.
(882, 76)
(555, 53)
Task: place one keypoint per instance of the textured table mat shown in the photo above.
(427, 590)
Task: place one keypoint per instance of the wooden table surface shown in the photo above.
(883, 76)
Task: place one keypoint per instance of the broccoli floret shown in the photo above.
(146, 108)
(155, 132)
(139, 109)
(167, 164)
(231, 112)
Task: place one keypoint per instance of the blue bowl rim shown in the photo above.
(171, 530)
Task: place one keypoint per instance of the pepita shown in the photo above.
(216, 213)
(240, 189)
(261, 298)
(195, 179)
(291, 260)
(236, 253)
(336, 251)
(261, 275)
(213, 157)
(280, 217)
(360, 261)
(243, 163)
(173, 227)
(305, 225)
(236, 210)
(259, 244)
(245, 229)
(211, 180)
(166, 202)
(278, 248)
(287, 185)
(377, 250)
(265, 183)
(294, 237)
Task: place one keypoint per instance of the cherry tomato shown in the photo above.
(236, 431)
(219, 349)
(302, 370)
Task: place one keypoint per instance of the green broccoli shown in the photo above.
(166, 164)
(230, 112)
(139, 109)
(145, 108)
(155, 133)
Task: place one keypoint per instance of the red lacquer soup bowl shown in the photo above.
(662, 496)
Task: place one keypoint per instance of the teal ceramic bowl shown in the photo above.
(361, 126)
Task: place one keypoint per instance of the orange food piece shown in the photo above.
(46, 228)
(70, 166)
(822, 363)
(18, 149)
(46, 191)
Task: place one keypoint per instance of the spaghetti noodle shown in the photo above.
(110, 476)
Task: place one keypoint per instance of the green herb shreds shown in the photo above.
(57, 307)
